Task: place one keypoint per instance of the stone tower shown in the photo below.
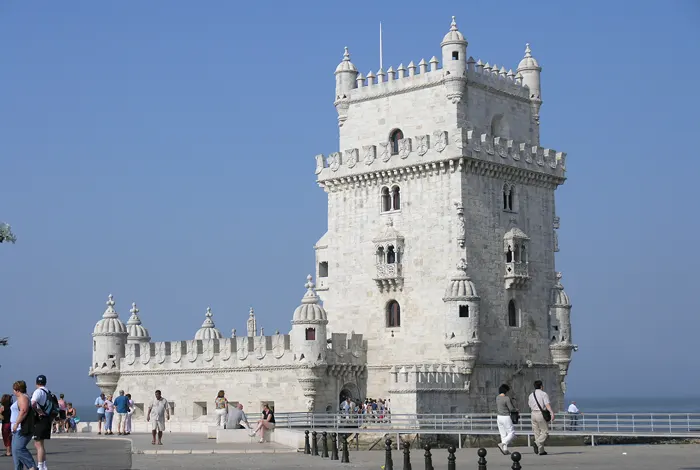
(440, 167)
(108, 343)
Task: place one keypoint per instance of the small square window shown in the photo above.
(464, 311)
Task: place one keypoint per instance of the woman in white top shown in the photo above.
(19, 411)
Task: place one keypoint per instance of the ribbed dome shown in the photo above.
(134, 328)
(208, 329)
(110, 323)
(453, 35)
(309, 311)
(346, 65)
(559, 297)
(460, 286)
(528, 61)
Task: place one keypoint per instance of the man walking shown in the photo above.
(540, 411)
(45, 413)
(121, 403)
(100, 405)
(158, 412)
(235, 418)
(573, 416)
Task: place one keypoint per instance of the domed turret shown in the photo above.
(530, 70)
(110, 323)
(561, 346)
(309, 322)
(454, 62)
(208, 329)
(108, 344)
(345, 80)
(137, 332)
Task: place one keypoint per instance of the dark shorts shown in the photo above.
(62, 415)
(100, 417)
(42, 429)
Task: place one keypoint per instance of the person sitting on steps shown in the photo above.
(267, 422)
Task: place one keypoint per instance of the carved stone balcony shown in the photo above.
(389, 277)
(516, 276)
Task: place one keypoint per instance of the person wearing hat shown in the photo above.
(42, 425)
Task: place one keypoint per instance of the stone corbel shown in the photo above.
(461, 229)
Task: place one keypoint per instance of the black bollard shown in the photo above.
(388, 462)
(482, 459)
(515, 457)
(428, 458)
(406, 455)
(451, 459)
(314, 443)
(307, 449)
(346, 455)
(324, 441)
(334, 446)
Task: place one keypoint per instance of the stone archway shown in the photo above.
(350, 390)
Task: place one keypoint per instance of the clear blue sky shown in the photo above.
(163, 152)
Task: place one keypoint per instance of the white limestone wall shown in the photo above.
(481, 106)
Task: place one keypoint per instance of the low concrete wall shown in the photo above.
(144, 426)
(285, 437)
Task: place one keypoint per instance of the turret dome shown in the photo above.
(208, 329)
(137, 332)
(461, 286)
(559, 297)
(346, 65)
(310, 311)
(528, 61)
(110, 323)
(453, 35)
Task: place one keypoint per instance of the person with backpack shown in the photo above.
(46, 406)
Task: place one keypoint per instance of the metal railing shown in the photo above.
(599, 424)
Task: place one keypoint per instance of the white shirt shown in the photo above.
(39, 396)
(572, 408)
(542, 398)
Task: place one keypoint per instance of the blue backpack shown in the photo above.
(50, 407)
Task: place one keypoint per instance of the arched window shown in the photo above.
(505, 197)
(511, 198)
(386, 200)
(512, 314)
(516, 258)
(380, 255)
(509, 255)
(390, 255)
(396, 198)
(508, 197)
(394, 138)
(523, 254)
(310, 334)
(393, 314)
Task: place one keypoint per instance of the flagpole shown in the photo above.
(381, 52)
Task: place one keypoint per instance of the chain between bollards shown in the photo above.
(334, 446)
(324, 441)
(406, 455)
(515, 457)
(346, 455)
(428, 458)
(314, 443)
(388, 462)
(307, 449)
(482, 459)
(451, 459)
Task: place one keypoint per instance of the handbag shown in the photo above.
(515, 416)
(545, 413)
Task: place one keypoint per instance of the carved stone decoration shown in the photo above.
(243, 348)
(458, 139)
(487, 144)
(208, 349)
(439, 140)
(176, 351)
(160, 352)
(556, 234)
(260, 350)
(514, 151)
(528, 155)
(225, 348)
(539, 155)
(334, 161)
(351, 157)
(278, 346)
(310, 404)
(563, 387)
(145, 350)
(461, 229)
(474, 140)
(422, 144)
(319, 163)
(370, 154)
(192, 350)
(384, 151)
(130, 353)
(405, 147)
(500, 144)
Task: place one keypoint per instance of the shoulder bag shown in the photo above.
(545, 413)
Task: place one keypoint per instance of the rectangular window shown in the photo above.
(200, 409)
(464, 311)
(455, 55)
(323, 269)
(310, 334)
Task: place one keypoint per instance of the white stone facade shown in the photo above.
(439, 254)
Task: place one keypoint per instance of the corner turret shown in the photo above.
(208, 329)
(108, 348)
(345, 80)
(561, 345)
(137, 333)
(529, 71)
(454, 62)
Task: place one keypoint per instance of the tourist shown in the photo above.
(540, 411)
(109, 415)
(158, 412)
(20, 413)
(127, 425)
(71, 413)
(573, 416)
(42, 426)
(121, 403)
(267, 422)
(504, 407)
(5, 404)
(221, 408)
(100, 405)
(236, 417)
(61, 420)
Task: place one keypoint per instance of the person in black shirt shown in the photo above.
(267, 422)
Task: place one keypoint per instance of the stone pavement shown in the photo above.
(82, 454)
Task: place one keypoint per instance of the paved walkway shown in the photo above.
(82, 454)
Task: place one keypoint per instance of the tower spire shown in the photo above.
(381, 48)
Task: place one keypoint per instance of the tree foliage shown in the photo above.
(6, 235)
